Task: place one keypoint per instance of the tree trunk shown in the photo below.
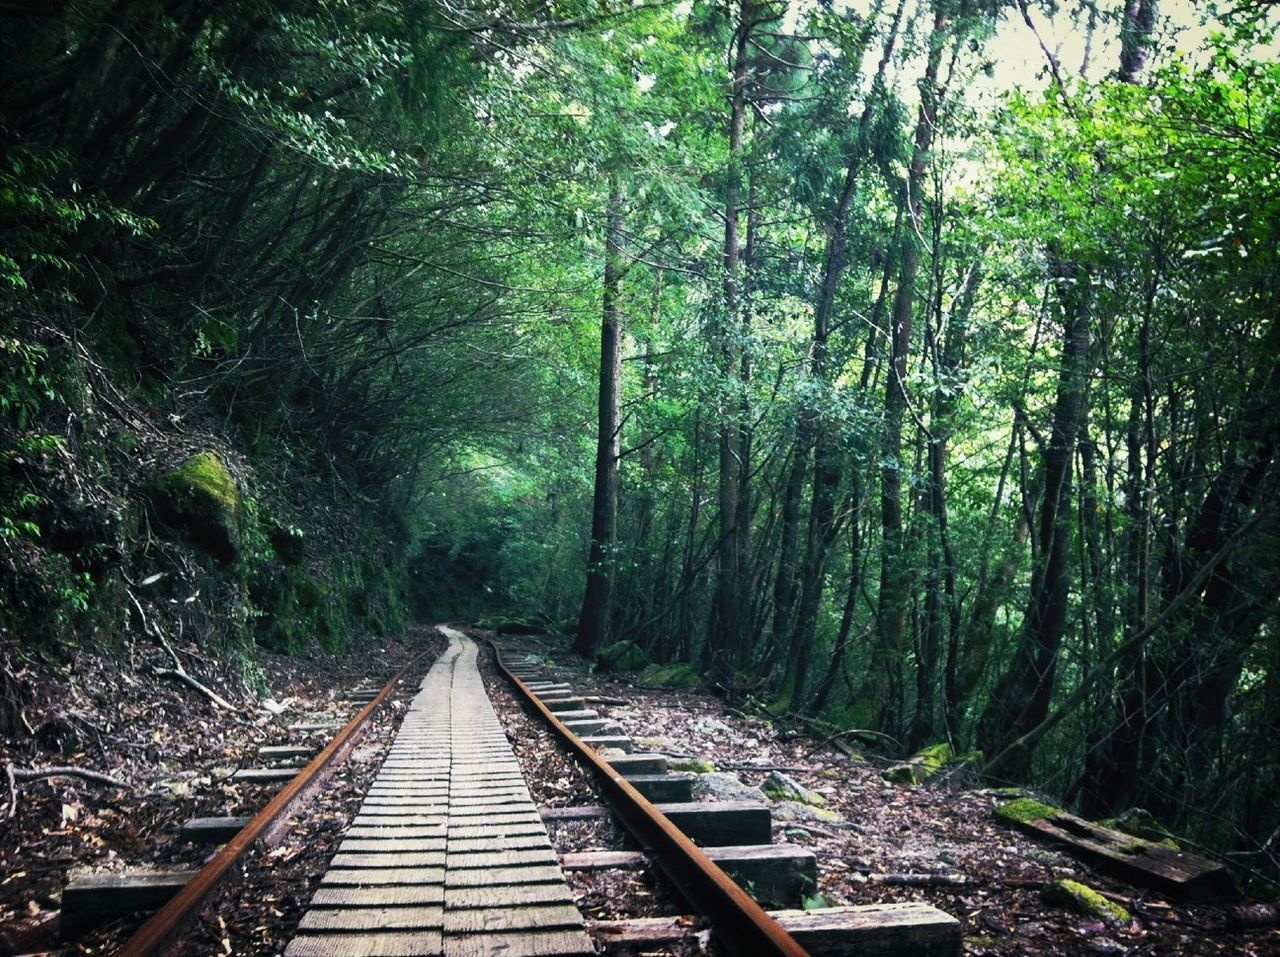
(724, 636)
(1021, 697)
(883, 693)
(593, 621)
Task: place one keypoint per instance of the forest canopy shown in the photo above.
(912, 366)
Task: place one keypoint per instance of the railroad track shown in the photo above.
(449, 855)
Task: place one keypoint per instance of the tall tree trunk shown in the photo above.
(593, 621)
(883, 692)
(724, 637)
(941, 627)
(1021, 698)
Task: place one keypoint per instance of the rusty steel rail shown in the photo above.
(165, 924)
(738, 921)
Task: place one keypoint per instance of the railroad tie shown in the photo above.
(448, 855)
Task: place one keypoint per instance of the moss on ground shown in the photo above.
(676, 675)
(1083, 899)
(690, 765)
(1025, 809)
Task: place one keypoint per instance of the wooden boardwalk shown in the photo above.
(448, 855)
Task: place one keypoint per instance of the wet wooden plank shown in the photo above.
(1179, 874)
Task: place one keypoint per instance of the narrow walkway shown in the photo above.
(448, 855)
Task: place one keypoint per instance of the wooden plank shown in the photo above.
(721, 823)
(875, 930)
(339, 876)
(387, 944)
(394, 856)
(94, 899)
(393, 833)
(663, 788)
(602, 741)
(490, 858)
(503, 812)
(365, 919)
(584, 714)
(277, 752)
(581, 728)
(372, 845)
(264, 775)
(584, 812)
(385, 895)
(1178, 874)
(498, 875)
(380, 820)
(562, 943)
(212, 830)
(776, 875)
(501, 918)
(507, 895)
(498, 842)
(570, 705)
(643, 763)
(510, 829)
(604, 861)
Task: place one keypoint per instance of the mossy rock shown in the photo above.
(200, 497)
(921, 766)
(782, 787)
(1026, 809)
(690, 765)
(676, 675)
(621, 656)
(1083, 899)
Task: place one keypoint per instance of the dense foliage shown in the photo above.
(921, 400)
